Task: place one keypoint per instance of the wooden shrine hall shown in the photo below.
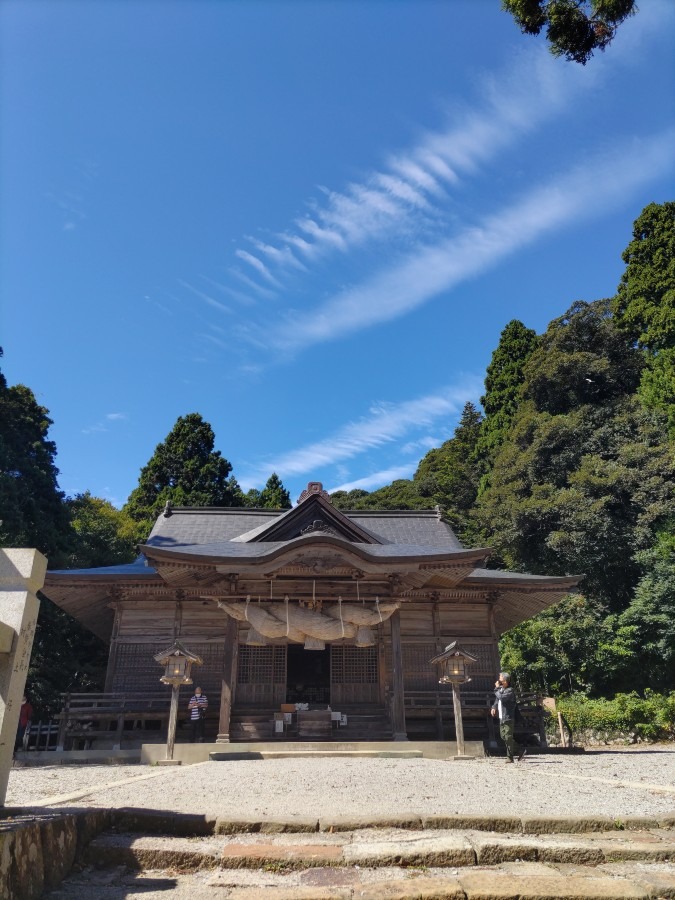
(312, 623)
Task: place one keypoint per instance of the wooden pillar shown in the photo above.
(459, 725)
(229, 680)
(112, 653)
(397, 702)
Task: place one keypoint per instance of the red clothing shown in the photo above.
(25, 715)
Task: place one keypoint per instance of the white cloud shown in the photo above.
(258, 265)
(414, 182)
(115, 416)
(377, 479)
(205, 297)
(586, 191)
(386, 424)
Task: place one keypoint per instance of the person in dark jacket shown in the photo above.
(504, 708)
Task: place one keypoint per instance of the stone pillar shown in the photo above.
(397, 700)
(229, 679)
(22, 574)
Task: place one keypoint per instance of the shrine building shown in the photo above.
(311, 609)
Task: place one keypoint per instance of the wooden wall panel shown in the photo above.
(202, 619)
(417, 620)
(458, 620)
(150, 621)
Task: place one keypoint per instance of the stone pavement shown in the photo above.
(480, 857)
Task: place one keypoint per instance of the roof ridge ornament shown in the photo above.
(168, 509)
(313, 488)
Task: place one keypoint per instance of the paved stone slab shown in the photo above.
(658, 877)
(492, 849)
(414, 887)
(289, 893)
(354, 823)
(477, 823)
(251, 856)
(155, 852)
(565, 824)
(412, 850)
(526, 880)
(486, 885)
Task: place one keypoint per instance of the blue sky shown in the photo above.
(308, 222)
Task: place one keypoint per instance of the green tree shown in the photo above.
(644, 307)
(503, 386)
(564, 649)
(185, 470)
(647, 626)
(585, 478)
(449, 474)
(400, 494)
(574, 28)
(103, 534)
(273, 496)
(32, 506)
(66, 657)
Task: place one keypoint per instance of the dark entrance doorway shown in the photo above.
(308, 675)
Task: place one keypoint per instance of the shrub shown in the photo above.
(651, 717)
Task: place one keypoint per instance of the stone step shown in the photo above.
(529, 881)
(224, 756)
(376, 848)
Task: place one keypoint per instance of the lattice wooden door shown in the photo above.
(261, 675)
(353, 675)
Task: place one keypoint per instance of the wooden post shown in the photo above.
(563, 742)
(398, 701)
(228, 682)
(459, 725)
(63, 724)
(173, 713)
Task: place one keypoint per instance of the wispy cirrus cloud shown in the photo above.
(409, 192)
(376, 479)
(385, 424)
(431, 270)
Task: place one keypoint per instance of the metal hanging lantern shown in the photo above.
(177, 662)
(454, 663)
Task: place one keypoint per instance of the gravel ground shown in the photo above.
(610, 782)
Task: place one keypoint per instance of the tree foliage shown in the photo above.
(32, 507)
(273, 496)
(574, 28)
(400, 494)
(503, 386)
(449, 475)
(102, 534)
(644, 307)
(185, 470)
(586, 477)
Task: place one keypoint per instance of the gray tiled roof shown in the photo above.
(500, 575)
(238, 550)
(210, 526)
(421, 527)
(207, 526)
(137, 569)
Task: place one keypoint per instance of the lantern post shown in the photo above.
(454, 663)
(177, 662)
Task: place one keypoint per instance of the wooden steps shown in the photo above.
(365, 722)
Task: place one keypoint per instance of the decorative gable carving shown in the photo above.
(315, 516)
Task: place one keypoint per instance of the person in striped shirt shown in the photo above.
(197, 706)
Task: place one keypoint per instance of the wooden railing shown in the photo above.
(92, 716)
(476, 705)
